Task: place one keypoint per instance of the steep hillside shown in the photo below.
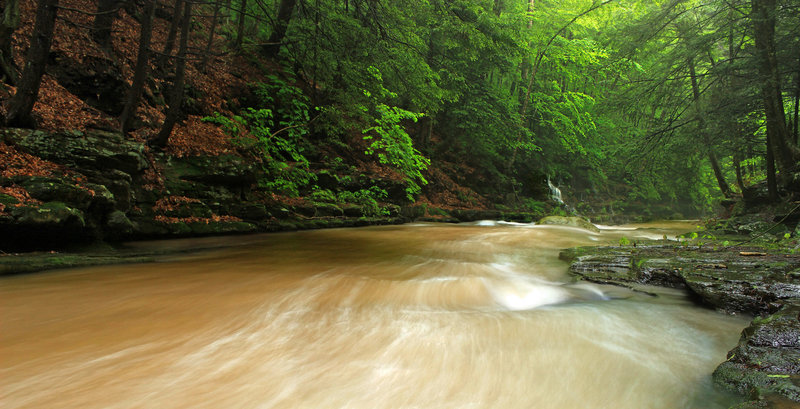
(76, 178)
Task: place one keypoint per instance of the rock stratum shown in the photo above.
(765, 365)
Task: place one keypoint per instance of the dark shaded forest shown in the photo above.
(666, 109)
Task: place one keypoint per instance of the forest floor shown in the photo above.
(71, 99)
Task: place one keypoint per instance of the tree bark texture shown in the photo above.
(285, 10)
(21, 104)
(176, 96)
(737, 166)
(712, 157)
(104, 22)
(172, 34)
(140, 72)
(796, 130)
(772, 180)
(210, 42)
(9, 23)
(763, 19)
(240, 23)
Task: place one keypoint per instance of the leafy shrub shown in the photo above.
(367, 199)
(534, 206)
(275, 131)
(393, 146)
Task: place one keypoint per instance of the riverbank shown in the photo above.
(62, 190)
(756, 280)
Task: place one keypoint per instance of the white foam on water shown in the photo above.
(605, 227)
(520, 295)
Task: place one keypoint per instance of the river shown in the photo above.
(479, 315)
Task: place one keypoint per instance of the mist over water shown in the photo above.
(415, 316)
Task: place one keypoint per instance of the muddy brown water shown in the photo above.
(480, 315)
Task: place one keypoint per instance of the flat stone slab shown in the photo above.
(732, 280)
(765, 365)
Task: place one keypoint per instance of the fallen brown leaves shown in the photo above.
(15, 163)
(58, 109)
(449, 194)
(195, 137)
(215, 89)
(170, 203)
(205, 220)
(19, 194)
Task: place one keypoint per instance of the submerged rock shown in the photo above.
(572, 221)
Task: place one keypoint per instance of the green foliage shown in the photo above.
(596, 92)
(276, 131)
(624, 241)
(369, 200)
(534, 206)
(393, 146)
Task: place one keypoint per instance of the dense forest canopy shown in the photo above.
(624, 103)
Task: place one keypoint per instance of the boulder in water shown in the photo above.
(572, 221)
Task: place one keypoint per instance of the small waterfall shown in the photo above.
(555, 196)
(555, 193)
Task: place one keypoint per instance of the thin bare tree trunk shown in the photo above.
(21, 104)
(211, 31)
(240, 23)
(763, 18)
(772, 179)
(171, 35)
(9, 24)
(737, 166)
(712, 157)
(176, 96)
(285, 11)
(104, 21)
(796, 134)
(140, 72)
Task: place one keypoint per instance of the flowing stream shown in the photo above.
(480, 315)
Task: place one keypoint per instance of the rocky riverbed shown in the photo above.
(765, 283)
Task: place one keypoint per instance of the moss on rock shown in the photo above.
(571, 221)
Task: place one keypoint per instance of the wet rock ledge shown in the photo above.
(765, 365)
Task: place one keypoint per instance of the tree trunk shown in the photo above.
(772, 180)
(723, 184)
(104, 21)
(21, 104)
(273, 46)
(171, 35)
(797, 106)
(211, 31)
(712, 157)
(140, 72)
(526, 60)
(737, 166)
(763, 18)
(10, 22)
(228, 11)
(240, 23)
(176, 96)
